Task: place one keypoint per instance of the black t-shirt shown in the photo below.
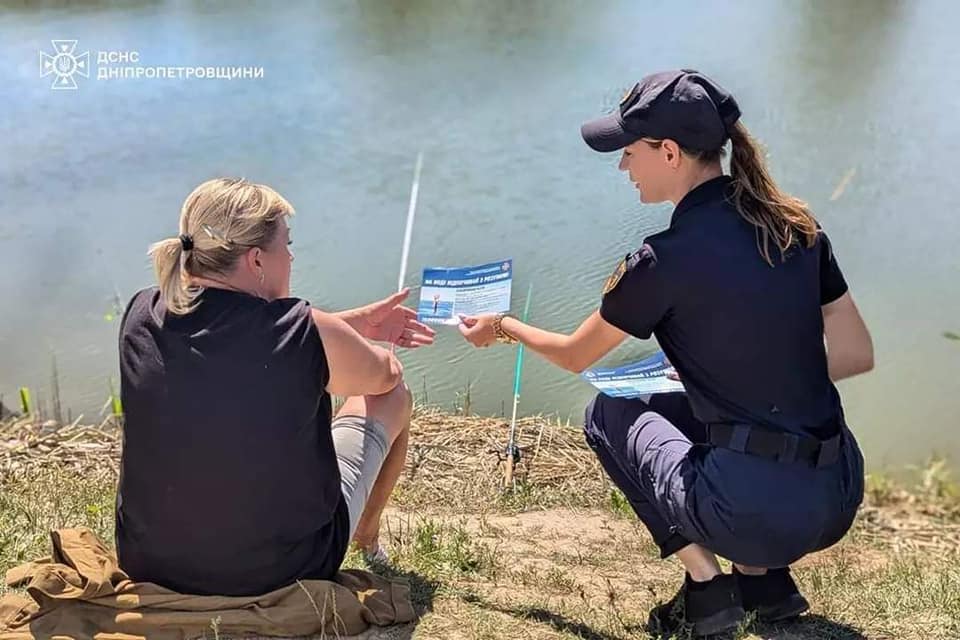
(745, 337)
(229, 481)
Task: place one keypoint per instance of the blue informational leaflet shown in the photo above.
(449, 292)
(635, 380)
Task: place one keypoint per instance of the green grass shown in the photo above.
(563, 556)
(36, 502)
(619, 504)
(438, 549)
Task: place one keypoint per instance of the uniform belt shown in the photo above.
(781, 446)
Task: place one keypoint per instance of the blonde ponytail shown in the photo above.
(168, 266)
(219, 221)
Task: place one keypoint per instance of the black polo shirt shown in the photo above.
(745, 337)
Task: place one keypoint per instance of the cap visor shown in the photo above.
(607, 134)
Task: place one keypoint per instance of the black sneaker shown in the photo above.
(708, 607)
(774, 595)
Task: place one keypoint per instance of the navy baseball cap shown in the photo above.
(684, 105)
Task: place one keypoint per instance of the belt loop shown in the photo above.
(788, 451)
(739, 437)
(829, 451)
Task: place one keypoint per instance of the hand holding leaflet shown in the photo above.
(450, 292)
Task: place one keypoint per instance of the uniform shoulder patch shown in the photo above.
(645, 256)
(614, 279)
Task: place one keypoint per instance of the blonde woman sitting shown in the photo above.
(236, 478)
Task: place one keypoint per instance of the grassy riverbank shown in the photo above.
(558, 556)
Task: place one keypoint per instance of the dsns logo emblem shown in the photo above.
(63, 64)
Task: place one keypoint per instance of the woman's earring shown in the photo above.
(261, 277)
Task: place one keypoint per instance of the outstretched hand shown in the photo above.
(388, 321)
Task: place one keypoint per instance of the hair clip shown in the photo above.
(216, 235)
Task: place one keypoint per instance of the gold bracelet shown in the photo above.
(502, 336)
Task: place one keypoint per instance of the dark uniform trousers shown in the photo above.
(751, 510)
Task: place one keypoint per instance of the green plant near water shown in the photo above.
(936, 480)
(464, 400)
(113, 401)
(32, 406)
(880, 489)
(55, 390)
(26, 403)
(424, 398)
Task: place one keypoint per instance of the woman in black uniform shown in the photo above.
(744, 294)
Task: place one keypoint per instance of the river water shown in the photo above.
(857, 103)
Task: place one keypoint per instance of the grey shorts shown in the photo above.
(361, 445)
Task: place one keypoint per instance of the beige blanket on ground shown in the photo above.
(80, 592)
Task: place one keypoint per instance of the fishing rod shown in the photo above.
(408, 232)
(513, 452)
(411, 212)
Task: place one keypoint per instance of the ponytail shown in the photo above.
(778, 217)
(168, 259)
(219, 221)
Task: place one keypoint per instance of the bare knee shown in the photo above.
(392, 409)
(400, 399)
